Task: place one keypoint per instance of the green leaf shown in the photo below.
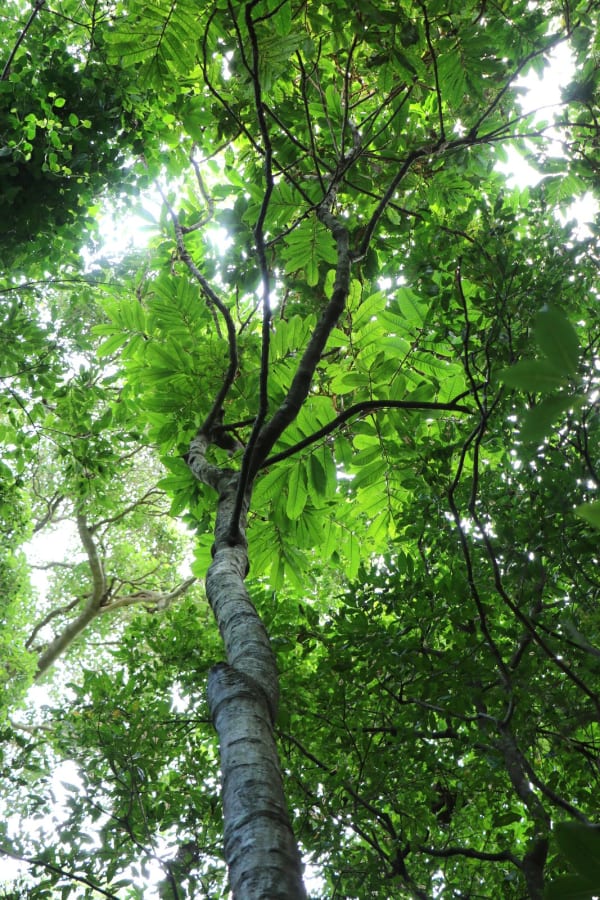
(451, 72)
(317, 477)
(581, 845)
(111, 344)
(271, 483)
(353, 554)
(308, 245)
(537, 422)
(558, 340)
(332, 97)
(297, 493)
(570, 887)
(412, 308)
(590, 512)
(369, 309)
(370, 473)
(533, 375)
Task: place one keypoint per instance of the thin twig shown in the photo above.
(435, 70)
(6, 70)
(212, 298)
(259, 239)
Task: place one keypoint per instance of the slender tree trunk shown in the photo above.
(260, 849)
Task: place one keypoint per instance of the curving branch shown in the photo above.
(212, 299)
(385, 200)
(379, 814)
(539, 51)
(346, 123)
(36, 861)
(200, 468)
(469, 853)
(300, 386)
(208, 200)
(146, 499)
(100, 600)
(96, 599)
(52, 506)
(484, 625)
(58, 611)
(319, 164)
(155, 600)
(436, 76)
(358, 409)
(302, 380)
(368, 123)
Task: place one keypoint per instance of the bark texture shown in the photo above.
(260, 848)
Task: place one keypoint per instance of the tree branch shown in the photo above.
(469, 853)
(57, 870)
(212, 298)
(204, 471)
(436, 77)
(51, 507)
(36, 8)
(302, 380)
(152, 492)
(60, 610)
(90, 610)
(556, 39)
(358, 409)
(158, 599)
(259, 238)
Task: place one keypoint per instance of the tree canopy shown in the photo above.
(309, 455)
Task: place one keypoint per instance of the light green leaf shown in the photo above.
(332, 97)
(413, 308)
(111, 344)
(271, 483)
(297, 492)
(352, 553)
(369, 309)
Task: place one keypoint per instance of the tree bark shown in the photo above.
(91, 608)
(260, 849)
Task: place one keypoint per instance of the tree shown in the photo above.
(369, 369)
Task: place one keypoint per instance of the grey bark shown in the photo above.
(260, 849)
(91, 608)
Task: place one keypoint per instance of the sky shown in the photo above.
(544, 94)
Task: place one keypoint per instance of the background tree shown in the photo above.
(368, 367)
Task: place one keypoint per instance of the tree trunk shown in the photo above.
(260, 849)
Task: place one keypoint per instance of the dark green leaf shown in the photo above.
(590, 512)
(581, 845)
(558, 340)
(538, 421)
(533, 375)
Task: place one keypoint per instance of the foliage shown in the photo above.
(347, 320)
(17, 665)
(580, 845)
